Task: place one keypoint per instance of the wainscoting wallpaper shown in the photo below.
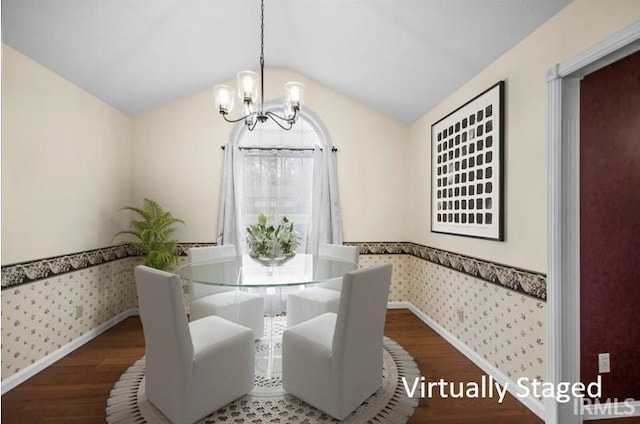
(505, 327)
(400, 278)
(40, 317)
(503, 307)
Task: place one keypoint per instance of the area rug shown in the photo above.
(268, 402)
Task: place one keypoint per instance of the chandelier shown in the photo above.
(248, 94)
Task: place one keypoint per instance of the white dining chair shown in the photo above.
(334, 361)
(238, 306)
(310, 302)
(192, 369)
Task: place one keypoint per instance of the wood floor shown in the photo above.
(75, 389)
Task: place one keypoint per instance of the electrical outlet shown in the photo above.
(460, 315)
(79, 310)
(604, 364)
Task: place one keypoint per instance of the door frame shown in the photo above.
(563, 210)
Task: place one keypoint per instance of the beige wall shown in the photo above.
(65, 164)
(577, 27)
(177, 160)
(64, 178)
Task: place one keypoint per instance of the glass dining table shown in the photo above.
(245, 272)
(274, 282)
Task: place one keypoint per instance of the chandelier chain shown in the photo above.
(262, 33)
(261, 55)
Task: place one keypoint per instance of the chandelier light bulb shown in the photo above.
(248, 86)
(294, 92)
(224, 98)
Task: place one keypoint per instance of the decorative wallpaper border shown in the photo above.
(39, 269)
(26, 272)
(521, 280)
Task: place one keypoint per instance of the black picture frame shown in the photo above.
(467, 168)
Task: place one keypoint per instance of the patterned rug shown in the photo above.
(267, 401)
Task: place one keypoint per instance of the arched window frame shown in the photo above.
(325, 222)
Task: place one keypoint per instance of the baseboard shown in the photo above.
(612, 410)
(28, 372)
(398, 305)
(535, 405)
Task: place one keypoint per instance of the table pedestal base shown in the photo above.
(268, 367)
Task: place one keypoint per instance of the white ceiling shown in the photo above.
(401, 57)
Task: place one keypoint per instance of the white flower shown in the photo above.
(264, 239)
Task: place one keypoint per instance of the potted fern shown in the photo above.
(152, 229)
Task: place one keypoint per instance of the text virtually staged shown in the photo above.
(489, 388)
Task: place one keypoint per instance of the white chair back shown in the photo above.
(337, 251)
(357, 341)
(208, 253)
(168, 344)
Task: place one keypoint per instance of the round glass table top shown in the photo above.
(245, 271)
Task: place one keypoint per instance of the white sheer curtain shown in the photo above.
(229, 203)
(326, 220)
(278, 183)
(280, 173)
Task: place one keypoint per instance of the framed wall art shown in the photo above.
(467, 172)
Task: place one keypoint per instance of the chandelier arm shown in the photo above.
(275, 118)
(291, 120)
(233, 121)
(251, 126)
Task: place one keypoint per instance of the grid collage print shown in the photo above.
(466, 171)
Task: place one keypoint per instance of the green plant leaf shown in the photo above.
(152, 234)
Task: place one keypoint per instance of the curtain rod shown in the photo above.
(293, 149)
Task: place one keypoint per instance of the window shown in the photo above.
(278, 173)
(277, 183)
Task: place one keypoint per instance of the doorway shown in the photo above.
(563, 279)
(610, 228)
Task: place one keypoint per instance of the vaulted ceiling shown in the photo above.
(401, 57)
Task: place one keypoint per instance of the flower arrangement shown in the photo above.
(267, 240)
